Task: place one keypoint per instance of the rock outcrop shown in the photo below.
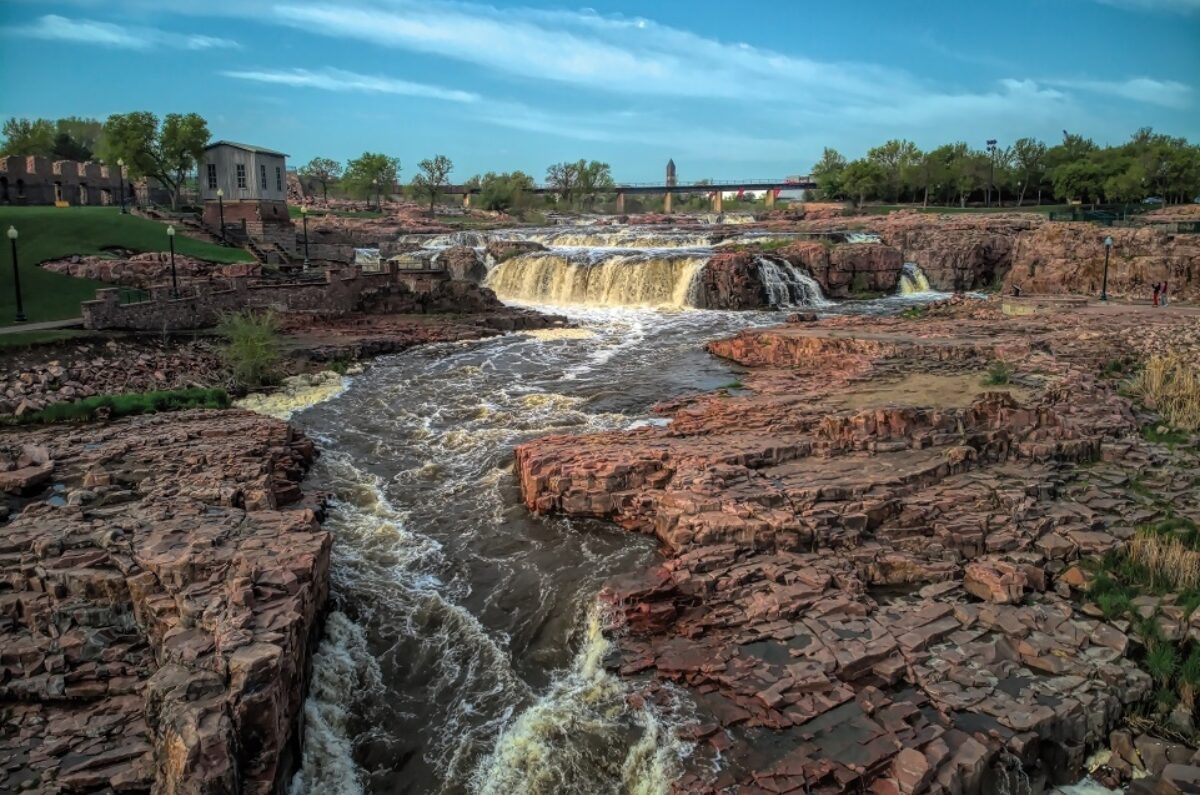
(463, 263)
(869, 583)
(1064, 258)
(731, 280)
(158, 605)
(847, 269)
(149, 269)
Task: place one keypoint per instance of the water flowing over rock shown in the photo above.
(636, 279)
(913, 280)
(158, 608)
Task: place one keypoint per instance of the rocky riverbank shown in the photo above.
(160, 594)
(875, 572)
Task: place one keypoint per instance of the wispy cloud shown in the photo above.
(52, 27)
(1168, 6)
(1165, 93)
(341, 80)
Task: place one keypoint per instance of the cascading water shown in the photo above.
(651, 279)
(622, 238)
(913, 281)
(788, 286)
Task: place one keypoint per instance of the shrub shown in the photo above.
(1161, 660)
(1171, 386)
(251, 350)
(998, 373)
(914, 313)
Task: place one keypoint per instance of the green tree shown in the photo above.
(166, 152)
(322, 170)
(369, 174)
(894, 158)
(503, 192)
(432, 178)
(1029, 156)
(581, 179)
(863, 179)
(25, 137)
(828, 171)
(79, 136)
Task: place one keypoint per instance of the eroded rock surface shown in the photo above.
(158, 603)
(870, 581)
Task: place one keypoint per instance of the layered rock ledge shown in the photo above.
(160, 592)
(871, 580)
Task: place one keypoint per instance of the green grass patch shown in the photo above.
(25, 339)
(48, 233)
(914, 312)
(999, 373)
(732, 385)
(1167, 436)
(113, 406)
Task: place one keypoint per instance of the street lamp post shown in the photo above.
(221, 213)
(121, 176)
(1108, 244)
(174, 278)
(1020, 195)
(304, 216)
(991, 156)
(12, 236)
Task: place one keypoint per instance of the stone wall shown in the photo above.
(265, 221)
(343, 292)
(39, 180)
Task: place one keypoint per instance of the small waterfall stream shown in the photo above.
(788, 286)
(913, 281)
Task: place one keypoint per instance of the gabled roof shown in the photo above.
(245, 147)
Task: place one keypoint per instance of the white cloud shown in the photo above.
(1166, 93)
(52, 27)
(341, 80)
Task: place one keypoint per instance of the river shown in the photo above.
(464, 647)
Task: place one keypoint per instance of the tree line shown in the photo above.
(361, 177)
(1149, 165)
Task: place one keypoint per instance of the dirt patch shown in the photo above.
(924, 390)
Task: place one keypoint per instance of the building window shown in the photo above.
(262, 177)
(279, 179)
(241, 175)
(212, 176)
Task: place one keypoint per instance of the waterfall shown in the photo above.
(788, 286)
(912, 280)
(598, 278)
(620, 238)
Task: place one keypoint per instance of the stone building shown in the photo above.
(252, 186)
(39, 180)
(672, 178)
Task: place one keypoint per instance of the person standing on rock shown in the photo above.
(1162, 295)
(1156, 289)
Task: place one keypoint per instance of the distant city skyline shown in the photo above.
(729, 92)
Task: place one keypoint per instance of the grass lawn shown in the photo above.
(48, 233)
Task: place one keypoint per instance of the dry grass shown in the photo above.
(1167, 558)
(1171, 386)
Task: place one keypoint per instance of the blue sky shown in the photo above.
(728, 89)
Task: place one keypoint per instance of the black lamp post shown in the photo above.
(304, 217)
(1108, 244)
(121, 176)
(991, 180)
(12, 236)
(221, 212)
(174, 278)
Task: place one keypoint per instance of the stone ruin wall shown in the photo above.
(33, 180)
(343, 292)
